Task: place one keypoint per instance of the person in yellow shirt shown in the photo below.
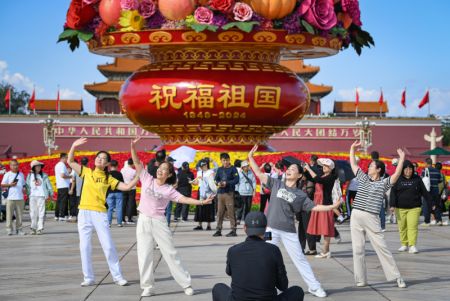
(93, 213)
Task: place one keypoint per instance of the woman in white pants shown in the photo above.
(152, 227)
(92, 213)
(39, 189)
(285, 201)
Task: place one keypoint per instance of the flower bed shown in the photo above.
(90, 19)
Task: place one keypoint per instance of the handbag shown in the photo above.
(6, 192)
(336, 193)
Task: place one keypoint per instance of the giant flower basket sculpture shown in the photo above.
(214, 76)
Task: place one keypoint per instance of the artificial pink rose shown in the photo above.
(147, 8)
(203, 15)
(351, 7)
(242, 12)
(129, 4)
(319, 13)
(221, 5)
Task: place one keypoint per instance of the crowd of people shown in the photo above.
(291, 191)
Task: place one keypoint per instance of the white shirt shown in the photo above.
(16, 192)
(36, 186)
(60, 169)
(128, 174)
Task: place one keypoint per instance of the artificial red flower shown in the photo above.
(79, 15)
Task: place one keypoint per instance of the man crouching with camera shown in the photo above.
(256, 268)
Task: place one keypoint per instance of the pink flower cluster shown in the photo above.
(319, 13)
(129, 4)
(147, 8)
(203, 15)
(352, 8)
(242, 12)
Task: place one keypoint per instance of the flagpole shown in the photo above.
(59, 102)
(429, 103)
(10, 102)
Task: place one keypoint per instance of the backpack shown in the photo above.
(336, 193)
(426, 179)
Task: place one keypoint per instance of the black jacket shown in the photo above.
(408, 193)
(256, 269)
(230, 175)
(183, 185)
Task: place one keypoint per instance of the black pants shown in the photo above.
(264, 200)
(242, 212)
(303, 237)
(222, 292)
(73, 204)
(129, 204)
(181, 210)
(62, 202)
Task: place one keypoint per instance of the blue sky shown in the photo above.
(412, 51)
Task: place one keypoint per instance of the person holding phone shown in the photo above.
(156, 193)
(14, 182)
(286, 199)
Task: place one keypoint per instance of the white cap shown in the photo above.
(327, 162)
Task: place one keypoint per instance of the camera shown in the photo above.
(268, 236)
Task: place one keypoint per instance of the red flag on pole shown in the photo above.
(357, 98)
(57, 102)
(7, 98)
(404, 99)
(425, 100)
(31, 102)
(381, 100)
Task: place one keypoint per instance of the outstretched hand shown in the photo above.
(209, 199)
(253, 150)
(79, 142)
(135, 141)
(401, 153)
(356, 144)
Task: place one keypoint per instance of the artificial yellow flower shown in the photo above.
(131, 20)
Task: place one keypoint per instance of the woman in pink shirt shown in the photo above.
(152, 227)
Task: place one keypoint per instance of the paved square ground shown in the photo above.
(48, 267)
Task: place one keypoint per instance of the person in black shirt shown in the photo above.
(256, 268)
(114, 198)
(184, 186)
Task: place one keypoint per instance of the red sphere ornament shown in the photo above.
(109, 11)
(176, 9)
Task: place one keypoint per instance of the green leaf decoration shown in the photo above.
(85, 36)
(244, 26)
(309, 28)
(67, 34)
(202, 27)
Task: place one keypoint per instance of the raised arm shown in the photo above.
(191, 201)
(71, 160)
(353, 162)
(261, 176)
(134, 155)
(137, 164)
(309, 169)
(399, 169)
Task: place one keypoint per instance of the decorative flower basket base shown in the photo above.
(224, 89)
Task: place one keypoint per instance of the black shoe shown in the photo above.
(198, 228)
(311, 253)
(218, 233)
(231, 234)
(208, 228)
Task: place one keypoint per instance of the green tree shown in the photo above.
(19, 99)
(446, 132)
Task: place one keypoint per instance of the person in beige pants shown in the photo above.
(365, 220)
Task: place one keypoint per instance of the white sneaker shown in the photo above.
(403, 249)
(70, 218)
(383, 230)
(87, 283)
(361, 284)
(439, 224)
(62, 219)
(10, 232)
(425, 224)
(21, 233)
(445, 223)
(401, 283)
(340, 219)
(433, 222)
(56, 218)
(323, 255)
(189, 291)
(413, 250)
(318, 292)
(147, 292)
(122, 282)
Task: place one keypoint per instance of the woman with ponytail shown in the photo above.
(93, 214)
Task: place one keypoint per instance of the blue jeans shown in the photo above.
(114, 200)
(168, 212)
